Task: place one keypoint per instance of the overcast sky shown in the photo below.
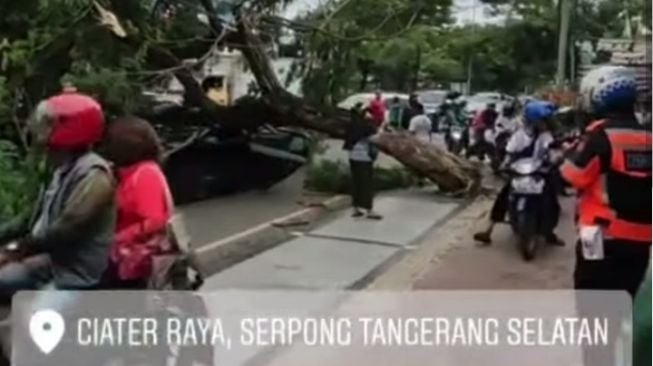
(465, 11)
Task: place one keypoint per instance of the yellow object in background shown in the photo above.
(219, 96)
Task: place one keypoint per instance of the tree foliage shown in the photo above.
(348, 45)
(350, 52)
(354, 42)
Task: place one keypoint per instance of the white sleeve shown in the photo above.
(426, 122)
(546, 139)
(414, 122)
(518, 141)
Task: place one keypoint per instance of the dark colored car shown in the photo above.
(203, 161)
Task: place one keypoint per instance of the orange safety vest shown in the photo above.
(617, 200)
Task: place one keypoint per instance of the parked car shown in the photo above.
(203, 161)
(479, 101)
(523, 98)
(432, 100)
(366, 98)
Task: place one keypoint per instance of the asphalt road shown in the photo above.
(215, 219)
(471, 266)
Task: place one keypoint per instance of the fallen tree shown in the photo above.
(278, 107)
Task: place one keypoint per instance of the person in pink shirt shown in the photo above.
(377, 109)
(144, 204)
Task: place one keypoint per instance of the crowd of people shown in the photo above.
(609, 166)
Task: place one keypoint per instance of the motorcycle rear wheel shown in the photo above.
(526, 236)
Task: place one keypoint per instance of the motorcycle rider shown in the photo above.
(489, 115)
(70, 235)
(483, 121)
(507, 121)
(505, 126)
(454, 117)
(532, 140)
(611, 169)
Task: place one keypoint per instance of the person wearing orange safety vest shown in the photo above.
(611, 170)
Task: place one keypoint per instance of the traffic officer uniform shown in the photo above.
(612, 171)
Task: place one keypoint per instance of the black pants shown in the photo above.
(481, 148)
(551, 206)
(362, 184)
(623, 268)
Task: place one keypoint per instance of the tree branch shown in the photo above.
(279, 107)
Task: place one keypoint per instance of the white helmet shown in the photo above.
(607, 88)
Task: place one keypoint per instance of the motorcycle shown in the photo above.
(525, 205)
(499, 151)
(454, 138)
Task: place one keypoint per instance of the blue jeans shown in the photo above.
(32, 273)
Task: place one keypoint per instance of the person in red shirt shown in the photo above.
(143, 200)
(377, 109)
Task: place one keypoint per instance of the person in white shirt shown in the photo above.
(521, 140)
(420, 125)
(533, 140)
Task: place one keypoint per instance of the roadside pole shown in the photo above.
(563, 38)
(470, 61)
(469, 75)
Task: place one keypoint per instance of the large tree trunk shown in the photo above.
(449, 171)
(279, 107)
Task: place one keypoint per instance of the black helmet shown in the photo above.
(453, 95)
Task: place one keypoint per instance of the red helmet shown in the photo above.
(70, 121)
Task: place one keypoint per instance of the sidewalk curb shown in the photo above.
(219, 255)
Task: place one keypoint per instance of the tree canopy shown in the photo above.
(116, 49)
(509, 55)
(348, 45)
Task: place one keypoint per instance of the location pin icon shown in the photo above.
(46, 328)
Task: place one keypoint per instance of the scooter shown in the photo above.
(481, 144)
(525, 205)
(454, 138)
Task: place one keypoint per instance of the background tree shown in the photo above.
(114, 50)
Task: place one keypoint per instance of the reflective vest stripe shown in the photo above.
(592, 213)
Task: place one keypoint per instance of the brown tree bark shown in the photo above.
(451, 172)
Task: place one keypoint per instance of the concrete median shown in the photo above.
(224, 253)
